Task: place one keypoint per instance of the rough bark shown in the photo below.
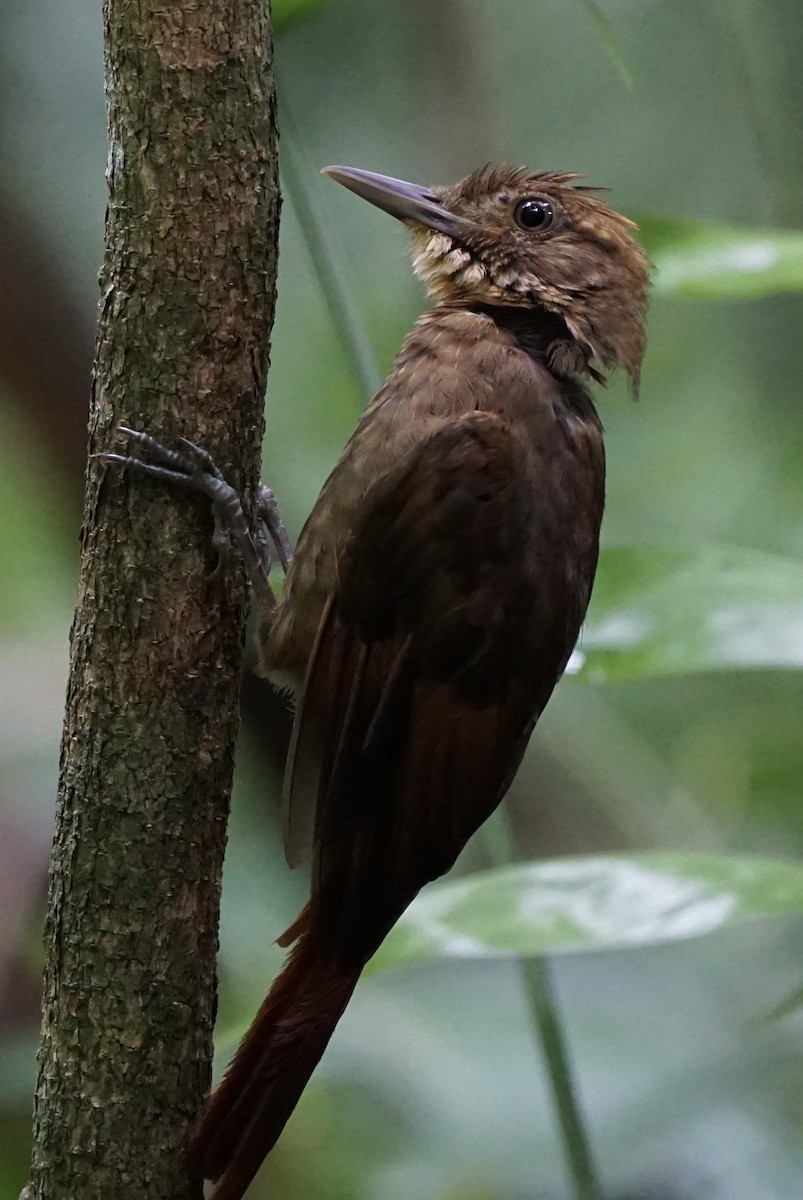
(187, 291)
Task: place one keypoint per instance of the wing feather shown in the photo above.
(433, 658)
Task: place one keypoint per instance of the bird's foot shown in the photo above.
(193, 468)
(271, 519)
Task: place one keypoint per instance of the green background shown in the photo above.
(679, 731)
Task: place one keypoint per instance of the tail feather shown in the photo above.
(247, 1112)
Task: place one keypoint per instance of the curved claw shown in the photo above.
(201, 456)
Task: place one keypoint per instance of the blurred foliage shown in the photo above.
(712, 261)
(659, 611)
(679, 731)
(286, 11)
(574, 904)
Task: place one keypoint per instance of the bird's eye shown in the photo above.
(534, 214)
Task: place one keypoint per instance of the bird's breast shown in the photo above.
(454, 363)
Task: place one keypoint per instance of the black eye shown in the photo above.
(534, 214)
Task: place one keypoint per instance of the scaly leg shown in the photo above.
(193, 468)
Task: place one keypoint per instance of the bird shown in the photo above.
(436, 591)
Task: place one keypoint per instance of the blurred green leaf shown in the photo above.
(285, 11)
(716, 261)
(665, 612)
(590, 903)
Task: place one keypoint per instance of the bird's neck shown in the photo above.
(459, 358)
(545, 336)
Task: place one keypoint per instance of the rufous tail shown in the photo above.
(249, 1109)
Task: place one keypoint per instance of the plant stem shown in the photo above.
(545, 1015)
(610, 42)
(546, 1020)
(329, 268)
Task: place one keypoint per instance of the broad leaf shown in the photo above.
(590, 903)
(662, 612)
(717, 261)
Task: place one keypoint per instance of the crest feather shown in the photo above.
(496, 178)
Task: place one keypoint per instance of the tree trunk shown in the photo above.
(187, 295)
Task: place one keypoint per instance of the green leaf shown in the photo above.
(576, 904)
(718, 261)
(665, 612)
(285, 11)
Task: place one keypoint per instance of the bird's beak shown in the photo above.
(406, 201)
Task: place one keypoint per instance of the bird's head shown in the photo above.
(531, 240)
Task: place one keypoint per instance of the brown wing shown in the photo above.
(435, 655)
